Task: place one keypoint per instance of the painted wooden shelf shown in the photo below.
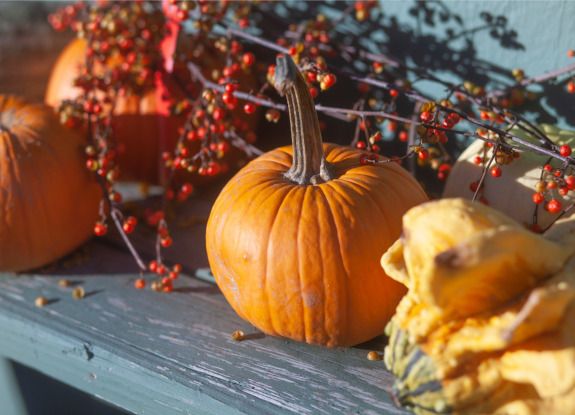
(164, 354)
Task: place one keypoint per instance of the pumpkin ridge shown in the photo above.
(248, 207)
(41, 208)
(267, 245)
(333, 225)
(272, 158)
(323, 284)
(337, 154)
(373, 200)
(15, 192)
(298, 258)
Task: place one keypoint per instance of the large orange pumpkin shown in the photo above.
(48, 200)
(141, 123)
(294, 239)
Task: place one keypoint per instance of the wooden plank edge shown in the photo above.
(102, 373)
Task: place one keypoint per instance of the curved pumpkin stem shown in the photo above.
(309, 165)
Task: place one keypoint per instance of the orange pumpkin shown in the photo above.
(141, 124)
(294, 239)
(48, 200)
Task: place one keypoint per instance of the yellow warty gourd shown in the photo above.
(488, 324)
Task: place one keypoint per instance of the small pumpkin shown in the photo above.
(512, 192)
(487, 324)
(48, 200)
(294, 238)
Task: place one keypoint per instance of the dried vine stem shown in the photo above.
(484, 172)
(331, 111)
(546, 144)
(536, 79)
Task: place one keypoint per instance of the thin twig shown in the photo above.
(117, 219)
(535, 80)
(484, 173)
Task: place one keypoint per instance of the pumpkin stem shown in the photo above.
(309, 165)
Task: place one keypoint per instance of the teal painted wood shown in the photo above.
(11, 401)
(533, 35)
(151, 353)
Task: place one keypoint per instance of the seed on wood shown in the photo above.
(41, 301)
(64, 282)
(373, 355)
(238, 335)
(78, 293)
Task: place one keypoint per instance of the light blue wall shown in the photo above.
(544, 31)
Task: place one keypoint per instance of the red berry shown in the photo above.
(443, 171)
(128, 227)
(570, 182)
(495, 171)
(552, 185)
(187, 188)
(229, 88)
(377, 67)
(473, 186)
(423, 154)
(571, 87)
(548, 168)
(554, 206)
(181, 15)
(166, 241)
(177, 268)
(229, 98)
(426, 116)
(249, 108)
(477, 160)
(403, 136)
(161, 269)
(570, 53)
(173, 275)
(565, 150)
(92, 164)
(313, 92)
(218, 114)
(191, 136)
(244, 22)
(248, 59)
(327, 81)
(361, 145)
(311, 76)
(153, 266)
(393, 93)
(140, 283)
(454, 118)
(447, 123)
(100, 229)
(538, 198)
